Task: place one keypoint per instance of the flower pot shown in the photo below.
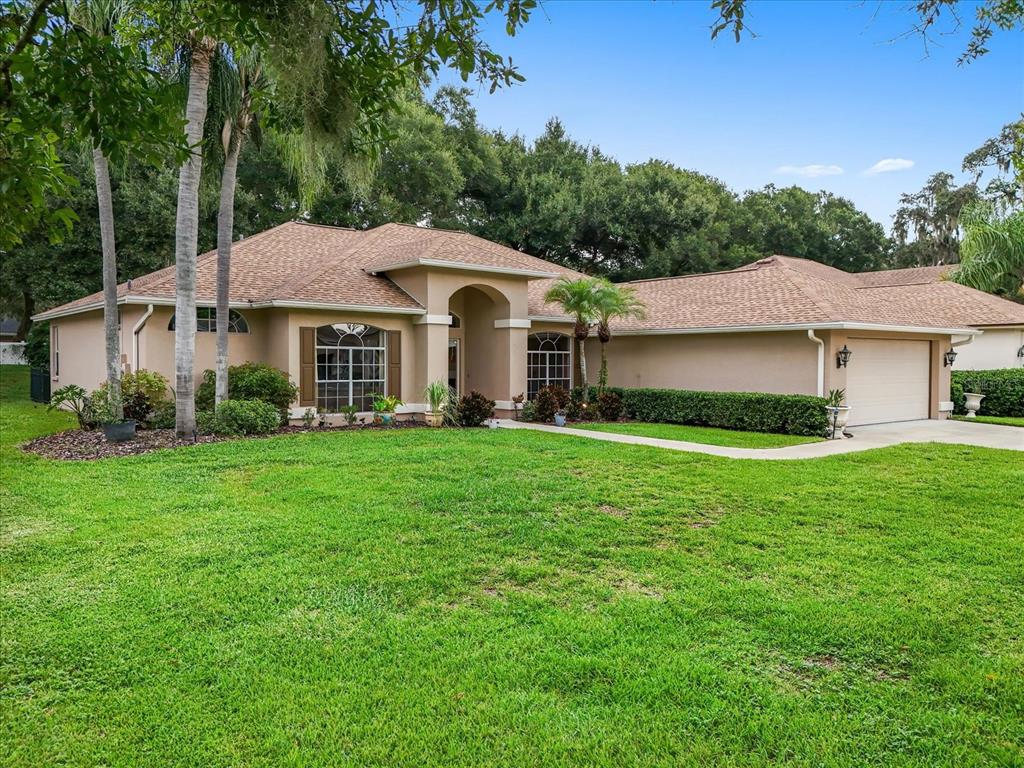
(434, 418)
(119, 432)
(972, 402)
(559, 420)
(838, 417)
(387, 418)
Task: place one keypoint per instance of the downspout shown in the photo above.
(821, 360)
(136, 330)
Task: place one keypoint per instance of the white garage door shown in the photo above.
(887, 380)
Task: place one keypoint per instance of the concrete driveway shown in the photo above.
(864, 438)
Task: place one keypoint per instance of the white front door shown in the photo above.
(888, 380)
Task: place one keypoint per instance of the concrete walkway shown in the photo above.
(865, 438)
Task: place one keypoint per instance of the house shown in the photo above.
(1002, 343)
(349, 313)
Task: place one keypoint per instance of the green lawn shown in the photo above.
(506, 597)
(708, 435)
(1010, 421)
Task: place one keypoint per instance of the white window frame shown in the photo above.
(348, 350)
(547, 378)
(234, 317)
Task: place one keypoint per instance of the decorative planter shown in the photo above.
(434, 418)
(838, 416)
(492, 423)
(386, 418)
(559, 420)
(119, 432)
(972, 402)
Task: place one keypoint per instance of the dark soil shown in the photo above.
(84, 445)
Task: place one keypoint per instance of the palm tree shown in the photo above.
(992, 252)
(186, 236)
(578, 298)
(613, 302)
(99, 18)
(239, 77)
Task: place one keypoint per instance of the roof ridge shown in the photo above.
(825, 306)
(326, 263)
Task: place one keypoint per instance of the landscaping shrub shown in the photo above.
(75, 399)
(578, 409)
(163, 415)
(609, 405)
(250, 381)
(529, 412)
(473, 410)
(750, 411)
(1003, 390)
(549, 400)
(37, 346)
(141, 392)
(245, 417)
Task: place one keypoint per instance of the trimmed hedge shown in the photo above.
(1003, 389)
(749, 411)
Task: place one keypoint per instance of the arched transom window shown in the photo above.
(350, 366)
(548, 362)
(206, 321)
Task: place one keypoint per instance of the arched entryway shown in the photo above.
(478, 344)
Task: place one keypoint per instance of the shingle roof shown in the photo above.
(312, 264)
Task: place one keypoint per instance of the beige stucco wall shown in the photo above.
(78, 340)
(725, 362)
(995, 348)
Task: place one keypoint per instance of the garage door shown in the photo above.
(887, 380)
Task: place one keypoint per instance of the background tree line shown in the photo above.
(554, 197)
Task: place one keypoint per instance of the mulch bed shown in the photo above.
(82, 445)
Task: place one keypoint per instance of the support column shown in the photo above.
(431, 336)
(510, 335)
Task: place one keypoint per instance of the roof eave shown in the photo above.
(444, 264)
(830, 326)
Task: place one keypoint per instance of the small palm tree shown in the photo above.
(613, 302)
(578, 298)
(992, 252)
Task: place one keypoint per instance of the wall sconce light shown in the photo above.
(843, 357)
(948, 358)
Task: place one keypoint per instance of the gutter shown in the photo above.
(834, 326)
(136, 330)
(821, 360)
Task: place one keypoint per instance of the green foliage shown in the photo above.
(748, 411)
(548, 401)
(75, 399)
(1003, 389)
(992, 251)
(162, 416)
(245, 417)
(250, 381)
(37, 346)
(141, 392)
(529, 412)
(437, 394)
(350, 412)
(927, 223)
(385, 403)
(835, 398)
(609, 405)
(473, 410)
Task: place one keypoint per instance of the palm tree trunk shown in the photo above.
(186, 241)
(110, 323)
(225, 233)
(583, 372)
(602, 377)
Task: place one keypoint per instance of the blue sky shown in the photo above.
(823, 84)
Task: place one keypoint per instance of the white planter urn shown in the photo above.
(972, 402)
(839, 416)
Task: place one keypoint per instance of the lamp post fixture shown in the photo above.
(948, 358)
(843, 357)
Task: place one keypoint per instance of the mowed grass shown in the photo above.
(507, 598)
(708, 435)
(1009, 421)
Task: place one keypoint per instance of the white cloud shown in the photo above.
(809, 171)
(888, 165)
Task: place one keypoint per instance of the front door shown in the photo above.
(453, 364)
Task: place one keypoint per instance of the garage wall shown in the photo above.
(783, 362)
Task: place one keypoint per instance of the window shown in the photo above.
(548, 362)
(206, 321)
(350, 366)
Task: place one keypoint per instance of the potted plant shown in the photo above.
(384, 408)
(838, 414)
(560, 417)
(437, 393)
(115, 429)
(972, 398)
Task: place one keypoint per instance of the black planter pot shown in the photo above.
(119, 432)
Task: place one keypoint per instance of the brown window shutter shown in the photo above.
(307, 366)
(395, 363)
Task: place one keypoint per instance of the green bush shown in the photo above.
(473, 409)
(37, 346)
(245, 417)
(750, 411)
(250, 381)
(141, 392)
(1003, 389)
(163, 416)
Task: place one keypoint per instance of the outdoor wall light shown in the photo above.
(948, 358)
(843, 357)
